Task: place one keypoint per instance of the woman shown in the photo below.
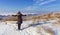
(19, 22)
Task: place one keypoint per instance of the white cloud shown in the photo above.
(36, 5)
(39, 2)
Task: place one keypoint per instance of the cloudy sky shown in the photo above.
(29, 6)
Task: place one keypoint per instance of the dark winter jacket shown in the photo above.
(19, 18)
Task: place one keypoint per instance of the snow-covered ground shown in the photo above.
(51, 27)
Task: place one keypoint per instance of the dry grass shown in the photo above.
(50, 16)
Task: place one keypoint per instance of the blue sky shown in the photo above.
(29, 6)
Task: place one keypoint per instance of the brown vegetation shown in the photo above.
(49, 16)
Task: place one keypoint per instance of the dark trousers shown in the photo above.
(19, 26)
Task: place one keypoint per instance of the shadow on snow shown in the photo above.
(35, 25)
